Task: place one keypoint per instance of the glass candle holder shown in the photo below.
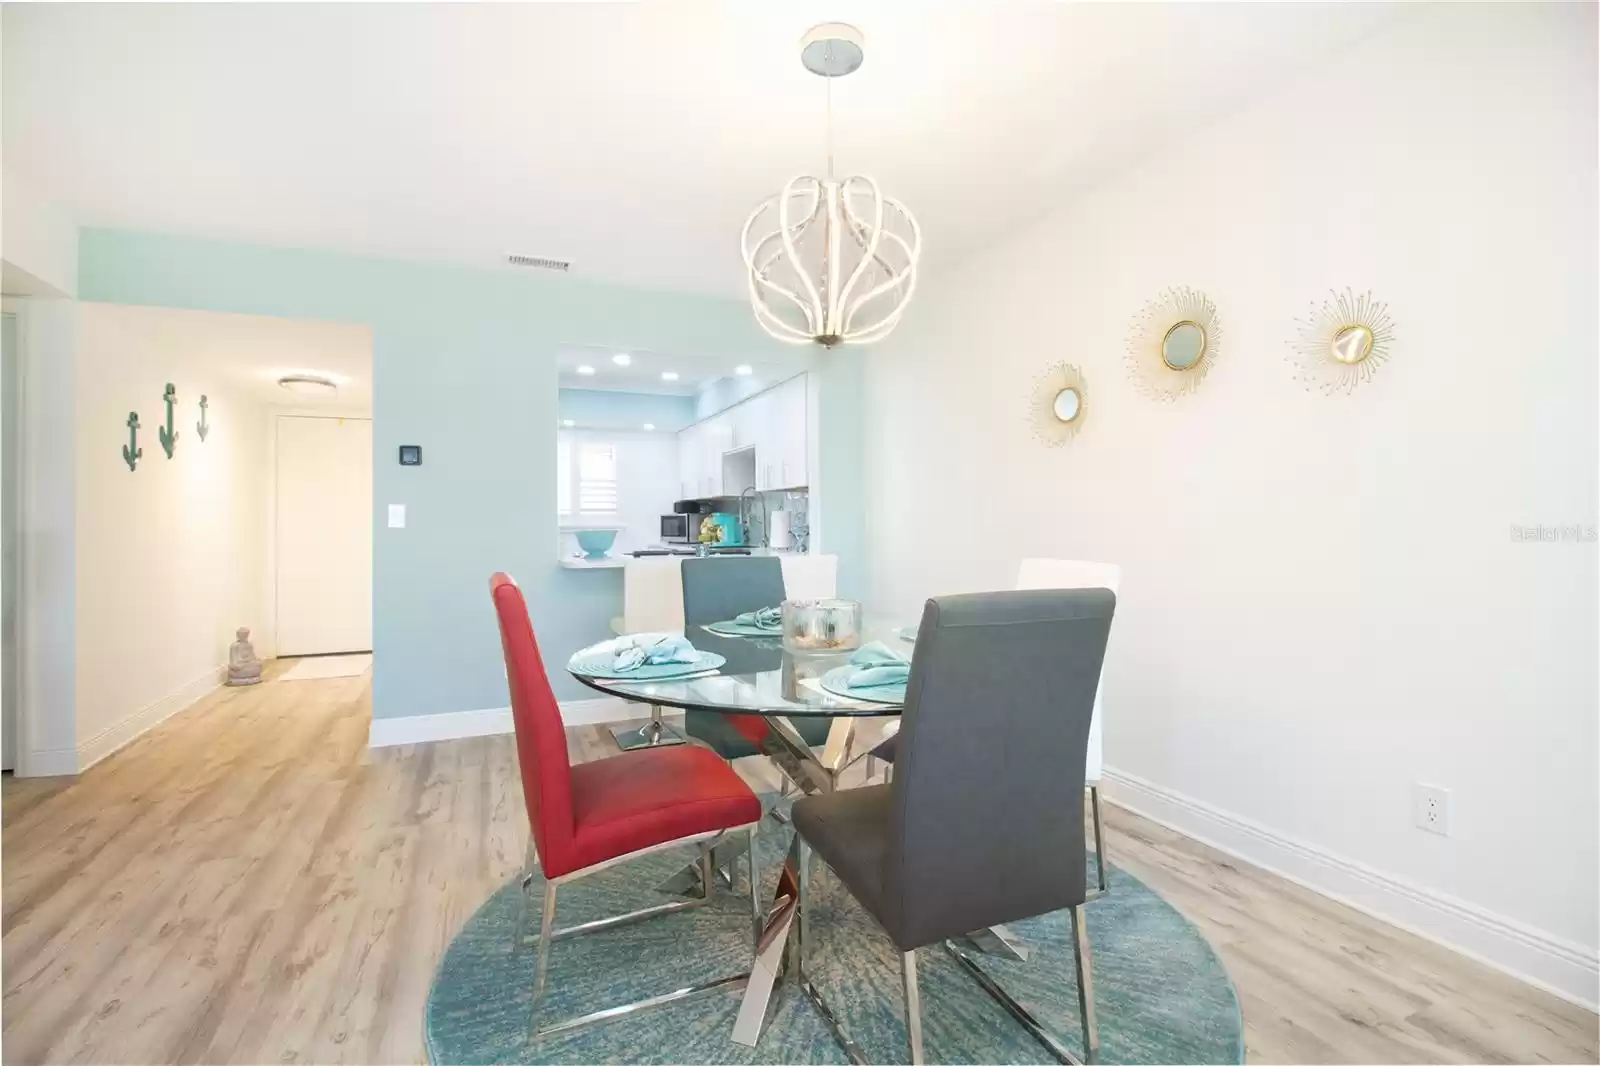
(821, 625)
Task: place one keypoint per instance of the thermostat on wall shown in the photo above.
(410, 455)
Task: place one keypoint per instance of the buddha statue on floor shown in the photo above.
(243, 666)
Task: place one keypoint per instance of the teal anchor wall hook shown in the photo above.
(201, 427)
(168, 437)
(131, 452)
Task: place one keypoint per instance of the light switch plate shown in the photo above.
(397, 516)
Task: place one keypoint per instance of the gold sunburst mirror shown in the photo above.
(1342, 342)
(1060, 403)
(1175, 340)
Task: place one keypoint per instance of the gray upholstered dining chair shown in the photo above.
(982, 823)
(716, 590)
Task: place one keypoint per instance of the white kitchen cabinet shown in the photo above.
(791, 418)
(772, 422)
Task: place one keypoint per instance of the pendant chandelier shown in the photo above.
(831, 261)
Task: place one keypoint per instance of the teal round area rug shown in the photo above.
(1160, 993)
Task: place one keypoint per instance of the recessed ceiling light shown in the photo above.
(649, 426)
(586, 370)
(308, 384)
(622, 358)
(669, 375)
(569, 423)
(743, 370)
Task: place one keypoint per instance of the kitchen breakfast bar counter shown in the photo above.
(652, 587)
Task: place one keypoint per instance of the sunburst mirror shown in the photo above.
(1060, 403)
(1175, 340)
(1342, 342)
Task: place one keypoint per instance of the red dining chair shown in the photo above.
(589, 817)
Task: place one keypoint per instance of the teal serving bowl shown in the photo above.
(596, 542)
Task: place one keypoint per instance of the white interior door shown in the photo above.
(324, 535)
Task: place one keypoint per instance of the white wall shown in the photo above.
(169, 556)
(38, 241)
(1322, 603)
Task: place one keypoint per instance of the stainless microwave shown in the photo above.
(675, 528)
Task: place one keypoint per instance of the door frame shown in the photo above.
(11, 402)
(267, 644)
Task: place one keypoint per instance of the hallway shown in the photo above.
(248, 883)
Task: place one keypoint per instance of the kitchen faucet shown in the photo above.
(756, 500)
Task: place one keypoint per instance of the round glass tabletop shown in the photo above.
(759, 677)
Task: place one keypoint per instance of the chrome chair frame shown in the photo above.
(655, 733)
(1102, 886)
(548, 934)
(800, 857)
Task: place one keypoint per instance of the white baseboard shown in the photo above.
(1561, 967)
(120, 734)
(491, 721)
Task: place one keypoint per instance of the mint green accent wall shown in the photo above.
(463, 364)
(629, 411)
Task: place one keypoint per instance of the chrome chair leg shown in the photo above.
(1080, 955)
(908, 968)
(758, 916)
(547, 924)
(530, 859)
(706, 872)
(1102, 885)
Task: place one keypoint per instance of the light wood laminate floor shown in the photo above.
(247, 883)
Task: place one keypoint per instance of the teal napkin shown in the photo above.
(652, 650)
(875, 666)
(766, 618)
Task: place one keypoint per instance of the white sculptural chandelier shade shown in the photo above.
(831, 261)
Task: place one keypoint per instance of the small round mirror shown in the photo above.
(1183, 345)
(1352, 344)
(1067, 404)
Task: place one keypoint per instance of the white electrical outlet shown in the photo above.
(1430, 808)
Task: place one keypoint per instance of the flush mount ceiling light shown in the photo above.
(743, 370)
(831, 261)
(569, 423)
(586, 371)
(308, 384)
(622, 358)
(649, 427)
(669, 375)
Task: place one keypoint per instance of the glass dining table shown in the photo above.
(768, 689)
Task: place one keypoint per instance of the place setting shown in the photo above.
(645, 657)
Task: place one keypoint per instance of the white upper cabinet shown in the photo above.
(772, 422)
(791, 396)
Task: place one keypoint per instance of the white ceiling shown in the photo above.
(630, 138)
(249, 353)
(643, 372)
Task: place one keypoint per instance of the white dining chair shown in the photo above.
(1077, 574)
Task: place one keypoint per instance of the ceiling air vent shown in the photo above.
(538, 262)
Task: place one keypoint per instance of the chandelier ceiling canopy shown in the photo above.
(831, 261)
